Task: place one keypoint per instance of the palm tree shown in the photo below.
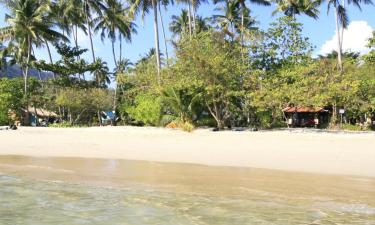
(115, 19)
(29, 24)
(342, 21)
(298, 7)
(229, 20)
(101, 73)
(188, 3)
(92, 7)
(165, 3)
(143, 7)
(245, 12)
(194, 6)
(179, 24)
(202, 24)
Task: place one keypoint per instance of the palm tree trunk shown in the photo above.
(86, 10)
(120, 59)
(242, 30)
(115, 104)
(113, 52)
(156, 33)
(50, 56)
(75, 33)
(339, 51)
(91, 43)
(164, 36)
(342, 31)
(189, 16)
(26, 72)
(193, 13)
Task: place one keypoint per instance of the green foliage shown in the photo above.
(10, 98)
(146, 109)
(370, 57)
(80, 105)
(281, 44)
(214, 71)
(350, 127)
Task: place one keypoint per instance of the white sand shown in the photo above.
(346, 154)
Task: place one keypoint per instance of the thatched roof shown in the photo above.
(42, 112)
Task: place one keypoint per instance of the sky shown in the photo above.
(321, 32)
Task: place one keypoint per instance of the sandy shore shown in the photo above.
(346, 154)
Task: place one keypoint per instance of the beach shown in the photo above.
(327, 153)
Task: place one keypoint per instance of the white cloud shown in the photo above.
(355, 39)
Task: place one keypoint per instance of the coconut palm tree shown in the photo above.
(101, 73)
(194, 7)
(69, 16)
(179, 24)
(115, 21)
(298, 7)
(342, 21)
(229, 19)
(91, 7)
(143, 7)
(188, 3)
(28, 24)
(245, 13)
(165, 3)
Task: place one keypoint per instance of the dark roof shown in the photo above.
(303, 109)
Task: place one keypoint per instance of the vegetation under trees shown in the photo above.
(226, 71)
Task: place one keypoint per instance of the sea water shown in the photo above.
(96, 191)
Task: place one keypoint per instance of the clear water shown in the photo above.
(67, 191)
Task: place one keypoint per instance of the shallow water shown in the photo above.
(97, 191)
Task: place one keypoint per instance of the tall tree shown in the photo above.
(179, 24)
(194, 7)
(342, 21)
(29, 24)
(229, 19)
(91, 7)
(115, 22)
(143, 7)
(298, 7)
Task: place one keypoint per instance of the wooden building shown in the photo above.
(302, 116)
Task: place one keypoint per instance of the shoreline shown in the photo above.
(299, 151)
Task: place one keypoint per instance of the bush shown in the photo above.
(147, 109)
(10, 98)
(166, 120)
(203, 122)
(185, 126)
(351, 127)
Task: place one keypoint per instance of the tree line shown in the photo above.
(225, 70)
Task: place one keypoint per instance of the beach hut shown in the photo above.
(305, 116)
(38, 116)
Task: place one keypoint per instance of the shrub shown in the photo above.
(351, 127)
(147, 109)
(177, 124)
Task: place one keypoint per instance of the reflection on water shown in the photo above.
(94, 191)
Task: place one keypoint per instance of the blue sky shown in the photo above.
(319, 31)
